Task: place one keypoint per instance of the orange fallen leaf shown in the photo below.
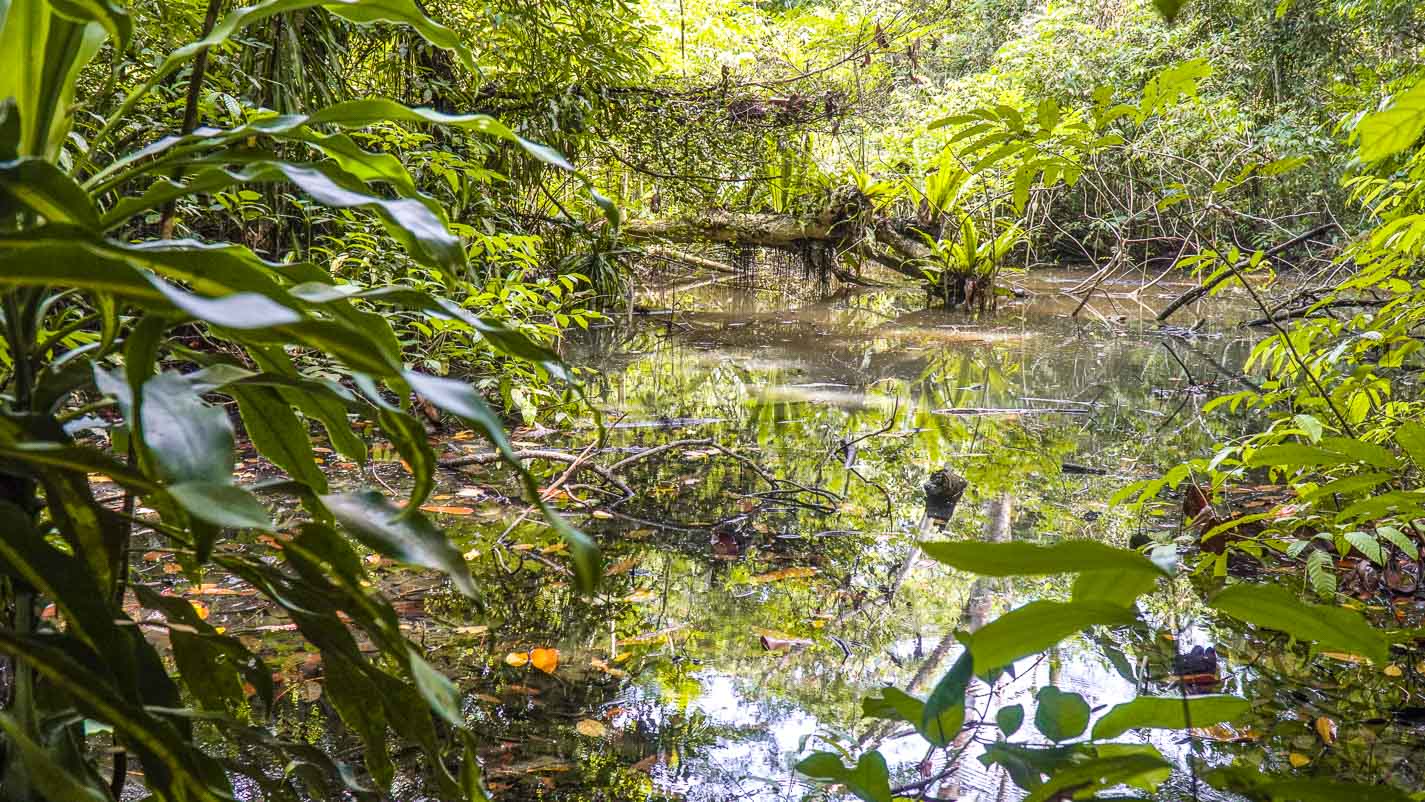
(443, 510)
(1298, 760)
(545, 660)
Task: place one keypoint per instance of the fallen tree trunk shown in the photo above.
(881, 242)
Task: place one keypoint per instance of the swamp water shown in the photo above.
(741, 624)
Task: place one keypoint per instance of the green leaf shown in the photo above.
(1411, 437)
(239, 310)
(172, 765)
(1009, 719)
(1366, 544)
(408, 538)
(1321, 573)
(1026, 559)
(438, 691)
(221, 504)
(1273, 607)
(1311, 425)
(1295, 455)
(1400, 540)
(278, 435)
(45, 190)
(869, 779)
(1115, 587)
(1169, 713)
(189, 440)
(1037, 626)
(946, 703)
(113, 18)
(897, 705)
(43, 771)
(1142, 770)
(1395, 128)
(1060, 716)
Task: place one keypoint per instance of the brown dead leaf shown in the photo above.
(522, 689)
(485, 697)
(645, 765)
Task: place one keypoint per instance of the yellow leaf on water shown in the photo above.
(545, 660)
(1326, 729)
(1298, 760)
(591, 729)
(798, 572)
(517, 659)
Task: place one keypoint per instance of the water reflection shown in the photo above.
(863, 394)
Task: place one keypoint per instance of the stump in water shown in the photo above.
(942, 493)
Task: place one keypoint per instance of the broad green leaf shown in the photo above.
(869, 779)
(1395, 128)
(1295, 455)
(1366, 544)
(275, 431)
(238, 311)
(1329, 627)
(1027, 559)
(1060, 716)
(1169, 713)
(1141, 770)
(408, 538)
(43, 771)
(439, 692)
(948, 696)
(897, 705)
(1311, 425)
(221, 504)
(1116, 587)
(189, 440)
(1411, 437)
(112, 17)
(1037, 626)
(1009, 719)
(45, 190)
(172, 765)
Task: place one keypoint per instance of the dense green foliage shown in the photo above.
(294, 218)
